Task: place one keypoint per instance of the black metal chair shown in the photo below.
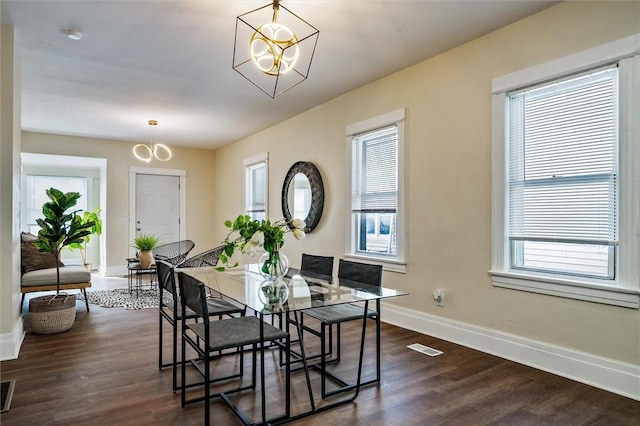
(173, 253)
(171, 311)
(208, 258)
(313, 266)
(210, 337)
(351, 274)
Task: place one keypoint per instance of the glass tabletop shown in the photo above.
(303, 291)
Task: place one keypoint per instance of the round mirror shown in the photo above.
(299, 197)
(303, 194)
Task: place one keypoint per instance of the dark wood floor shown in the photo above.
(104, 372)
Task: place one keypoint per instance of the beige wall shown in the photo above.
(448, 172)
(198, 164)
(10, 324)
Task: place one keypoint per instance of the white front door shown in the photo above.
(157, 209)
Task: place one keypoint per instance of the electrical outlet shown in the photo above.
(438, 297)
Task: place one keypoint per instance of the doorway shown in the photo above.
(157, 203)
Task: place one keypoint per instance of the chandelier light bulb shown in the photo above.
(146, 152)
(274, 47)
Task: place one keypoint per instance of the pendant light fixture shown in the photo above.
(273, 48)
(146, 152)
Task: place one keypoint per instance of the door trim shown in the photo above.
(133, 173)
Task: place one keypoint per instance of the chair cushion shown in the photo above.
(338, 313)
(234, 332)
(216, 306)
(68, 275)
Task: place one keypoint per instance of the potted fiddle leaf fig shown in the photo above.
(95, 229)
(145, 243)
(58, 229)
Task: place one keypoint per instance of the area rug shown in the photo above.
(121, 298)
(7, 394)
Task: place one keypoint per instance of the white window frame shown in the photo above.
(393, 263)
(250, 163)
(625, 289)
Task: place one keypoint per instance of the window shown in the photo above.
(563, 169)
(376, 189)
(36, 195)
(256, 186)
(565, 201)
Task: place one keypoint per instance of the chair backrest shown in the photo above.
(314, 264)
(193, 295)
(208, 258)
(175, 252)
(360, 272)
(166, 277)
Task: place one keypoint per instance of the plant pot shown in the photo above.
(52, 314)
(146, 259)
(88, 266)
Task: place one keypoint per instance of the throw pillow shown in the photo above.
(28, 238)
(33, 259)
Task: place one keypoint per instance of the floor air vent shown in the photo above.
(425, 349)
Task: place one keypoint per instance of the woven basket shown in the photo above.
(52, 314)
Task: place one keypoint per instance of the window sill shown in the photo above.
(571, 289)
(391, 265)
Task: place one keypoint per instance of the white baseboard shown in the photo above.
(611, 375)
(116, 271)
(10, 343)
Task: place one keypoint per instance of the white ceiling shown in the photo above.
(171, 60)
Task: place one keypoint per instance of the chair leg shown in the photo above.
(175, 355)
(183, 370)
(378, 370)
(86, 299)
(323, 359)
(339, 342)
(207, 385)
(22, 302)
(160, 337)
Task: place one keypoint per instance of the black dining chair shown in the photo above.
(207, 338)
(350, 274)
(171, 311)
(314, 264)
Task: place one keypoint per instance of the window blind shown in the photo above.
(563, 160)
(374, 171)
(255, 190)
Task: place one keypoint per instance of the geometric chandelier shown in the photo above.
(273, 48)
(144, 152)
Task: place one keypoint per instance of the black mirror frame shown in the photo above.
(317, 193)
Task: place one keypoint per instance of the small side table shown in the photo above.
(136, 271)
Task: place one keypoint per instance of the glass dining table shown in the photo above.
(302, 291)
